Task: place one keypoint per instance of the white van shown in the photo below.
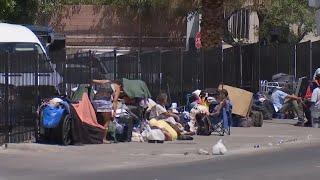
(17, 39)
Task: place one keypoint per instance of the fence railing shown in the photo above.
(26, 78)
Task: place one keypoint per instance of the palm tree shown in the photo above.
(212, 24)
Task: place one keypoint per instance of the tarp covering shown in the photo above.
(77, 95)
(136, 88)
(86, 128)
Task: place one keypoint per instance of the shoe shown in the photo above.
(300, 124)
(106, 142)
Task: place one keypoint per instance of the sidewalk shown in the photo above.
(274, 134)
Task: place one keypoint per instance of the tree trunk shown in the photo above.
(212, 24)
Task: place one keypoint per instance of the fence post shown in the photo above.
(295, 61)
(115, 65)
(36, 80)
(311, 63)
(222, 71)
(6, 97)
(181, 74)
(139, 63)
(259, 62)
(65, 66)
(91, 64)
(202, 67)
(241, 66)
(160, 72)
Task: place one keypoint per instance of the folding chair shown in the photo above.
(222, 123)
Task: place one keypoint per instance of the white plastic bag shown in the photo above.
(155, 135)
(219, 148)
(136, 137)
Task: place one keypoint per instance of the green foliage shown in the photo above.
(18, 11)
(6, 8)
(292, 19)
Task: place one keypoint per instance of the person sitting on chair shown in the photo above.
(284, 102)
(222, 101)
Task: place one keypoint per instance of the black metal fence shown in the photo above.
(27, 77)
(178, 72)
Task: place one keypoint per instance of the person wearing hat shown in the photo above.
(284, 102)
(315, 83)
(315, 107)
(196, 98)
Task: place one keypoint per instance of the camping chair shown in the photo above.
(222, 123)
(186, 107)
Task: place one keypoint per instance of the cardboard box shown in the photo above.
(241, 100)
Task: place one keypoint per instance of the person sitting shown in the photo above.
(315, 107)
(221, 108)
(195, 98)
(284, 102)
(315, 83)
(158, 111)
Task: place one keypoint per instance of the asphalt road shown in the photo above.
(294, 163)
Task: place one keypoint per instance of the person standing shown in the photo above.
(315, 83)
(105, 100)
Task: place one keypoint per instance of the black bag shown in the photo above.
(203, 125)
(127, 130)
(257, 118)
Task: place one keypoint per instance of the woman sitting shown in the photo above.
(158, 111)
(222, 109)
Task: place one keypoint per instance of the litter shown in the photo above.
(219, 148)
(203, 152)
(256, 146)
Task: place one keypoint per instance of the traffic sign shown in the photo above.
(198, 40)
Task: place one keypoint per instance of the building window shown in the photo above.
(239, 24)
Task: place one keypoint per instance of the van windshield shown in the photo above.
(24, 58)
(12, 47)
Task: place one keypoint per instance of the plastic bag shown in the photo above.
(219, 148)
(136, 137)
(51, 116)
(153, 134)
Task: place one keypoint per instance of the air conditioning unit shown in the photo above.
(314, 3)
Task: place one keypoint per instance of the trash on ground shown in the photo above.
(219, 148)
(257, 146)
(203, 152)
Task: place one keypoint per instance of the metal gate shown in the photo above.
(25, 78)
